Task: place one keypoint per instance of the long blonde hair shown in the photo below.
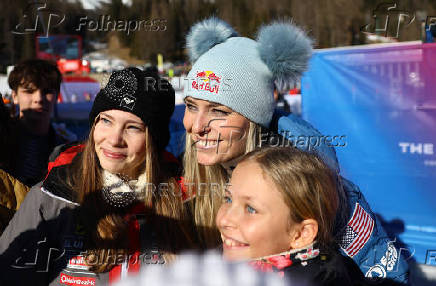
(213, 178)
(106, 227)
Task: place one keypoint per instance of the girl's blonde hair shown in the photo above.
(208, 183)
(307, 185)
(107, 228)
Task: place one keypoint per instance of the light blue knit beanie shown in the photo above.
(239, 72)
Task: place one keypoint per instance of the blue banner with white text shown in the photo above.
(382, 99)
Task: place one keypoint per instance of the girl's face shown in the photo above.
(120, 142)
(254, 220)
(218, 133)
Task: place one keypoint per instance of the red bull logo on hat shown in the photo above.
(207, 80)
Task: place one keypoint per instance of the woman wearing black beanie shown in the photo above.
(107, 205)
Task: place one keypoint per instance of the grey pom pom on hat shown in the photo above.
(206, 34)
(286, 50)
(239, 72)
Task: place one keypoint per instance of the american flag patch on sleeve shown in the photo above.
(357, 232)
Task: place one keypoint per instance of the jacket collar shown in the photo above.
(287, 258)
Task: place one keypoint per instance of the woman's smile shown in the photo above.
(206, 144)
(113, 155)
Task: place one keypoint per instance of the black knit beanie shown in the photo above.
(144, 94)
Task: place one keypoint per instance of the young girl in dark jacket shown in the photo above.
(101, 212)
(278, 212)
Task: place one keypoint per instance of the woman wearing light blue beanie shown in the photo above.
(229, 106)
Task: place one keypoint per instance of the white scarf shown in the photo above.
(120, 192)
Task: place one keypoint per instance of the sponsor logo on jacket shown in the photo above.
(76, 281)
(77, 262)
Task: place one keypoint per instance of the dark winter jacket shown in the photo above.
(314, 266)
(46, 239)
(31, 152)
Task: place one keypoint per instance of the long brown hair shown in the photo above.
(307, 185)
(106, 227)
